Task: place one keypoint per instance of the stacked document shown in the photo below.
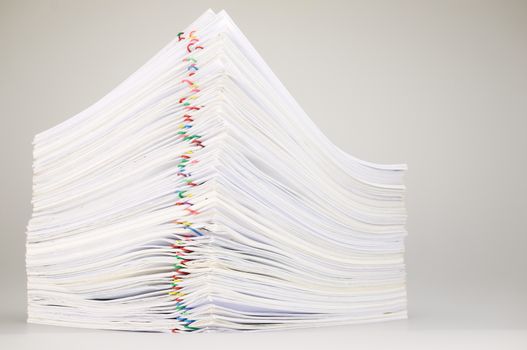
(198, 196)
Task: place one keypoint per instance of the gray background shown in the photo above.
(440, 85)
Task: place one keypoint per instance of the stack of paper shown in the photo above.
(199, 196)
